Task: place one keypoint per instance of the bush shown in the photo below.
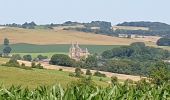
(27, 57)
(99, 74)
(78, 72)
(62, 60)
(114, 80)
(129, 81)
(16, 57)
(38, 66)
(60, 69)
(41, 57)
(88, 72)
(12, 63)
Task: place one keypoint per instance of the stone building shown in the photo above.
(75, 52)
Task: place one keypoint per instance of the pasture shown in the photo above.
(49, 50)
(33, 78)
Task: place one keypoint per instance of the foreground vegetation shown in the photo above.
(85, 89)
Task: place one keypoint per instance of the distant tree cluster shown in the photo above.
(163, 42)
(26, 25)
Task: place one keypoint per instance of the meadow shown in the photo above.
(38, 77)
(49, 50)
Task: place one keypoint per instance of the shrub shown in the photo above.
(41, 57)
(39, 66)
(33, 64)
(27, 57)
(16, 57)
(88, 72)
(114, 80)
(60, 69)
(99, 74)
(78, 72)
(129, 81)
(12, 63)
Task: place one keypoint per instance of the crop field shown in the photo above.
(56, 48)
(43, 37)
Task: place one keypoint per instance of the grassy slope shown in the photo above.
(32, 78)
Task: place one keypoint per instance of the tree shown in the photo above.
(159, 73)
(27, 57)
(63, 60)
(6, 42)
(7, 50)
(91, 61)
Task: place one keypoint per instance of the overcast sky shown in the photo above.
(58, 11)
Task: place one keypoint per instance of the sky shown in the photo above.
(59, 11)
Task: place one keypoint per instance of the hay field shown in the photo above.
(42, 37)
(129, 28)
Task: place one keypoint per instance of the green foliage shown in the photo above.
(61, 59)
(12, 63)
(85, 89)
(91, 61)
(41, 57)
(7, 50)
(163, 42)
(159, 73)
(15, 63)
(88, 72)
(38, 66)
(78, 72)
(27, 58)
(155, 28)
(6, 42)
(97, 73)
(114, 80)
(16, 57)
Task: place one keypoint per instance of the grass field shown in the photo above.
(59, 48)
(33, 78)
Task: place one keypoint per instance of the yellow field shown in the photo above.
(18, 35)
(129, 28)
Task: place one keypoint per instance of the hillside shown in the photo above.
(35, 36)
(129, 28)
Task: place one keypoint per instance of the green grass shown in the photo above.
(33, 78)
(61, 48)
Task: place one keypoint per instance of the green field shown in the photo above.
(33, 78)
(55, 48)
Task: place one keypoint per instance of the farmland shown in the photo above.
(44, 37)
(33, 78)
(61, 48)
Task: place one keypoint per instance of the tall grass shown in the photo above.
(87, 90)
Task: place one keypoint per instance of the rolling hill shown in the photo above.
(42, 37)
